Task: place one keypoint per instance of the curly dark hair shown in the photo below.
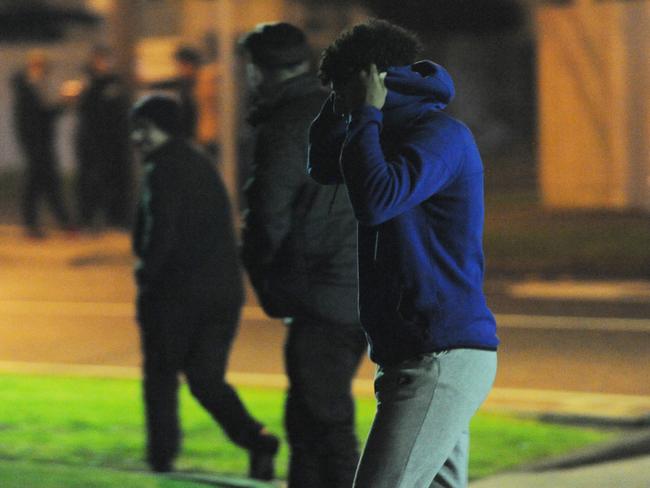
(376, 41)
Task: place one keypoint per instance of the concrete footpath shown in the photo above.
(78, 292)
(629, 473)
(624, 462)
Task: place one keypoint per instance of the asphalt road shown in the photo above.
(69, 301)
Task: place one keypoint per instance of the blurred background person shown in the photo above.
(188, 62)
(190, 290)
(299, 247)
(207, 97)
(36, 107)
(103, 154)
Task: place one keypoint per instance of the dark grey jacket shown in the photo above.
(299, 241)
(103, 129)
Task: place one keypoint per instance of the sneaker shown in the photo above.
(35, 233)
(71, 232)
(161, 466)
(262, 458)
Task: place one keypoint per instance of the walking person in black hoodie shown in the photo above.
(299, 247)
(189, 289)
(415, 179)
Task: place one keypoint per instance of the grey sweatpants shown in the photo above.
(420, 435)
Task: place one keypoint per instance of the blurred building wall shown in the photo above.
(594, 104)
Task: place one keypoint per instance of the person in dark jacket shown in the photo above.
(189, 289)
(299, 247)
(104, 162)
(415, 180)
(35, 113)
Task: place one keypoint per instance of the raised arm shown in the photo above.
(380, 189)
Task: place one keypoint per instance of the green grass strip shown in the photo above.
(97, 423)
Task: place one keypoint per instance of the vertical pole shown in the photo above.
(123, 27)
(227, 97)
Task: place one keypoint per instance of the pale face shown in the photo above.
(101, 64)
(146, 137)
(37, 67)
(185, 69)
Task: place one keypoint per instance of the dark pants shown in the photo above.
(42, 181)
(103, 187)
(321, 361)
(193, 338)
(92, 193)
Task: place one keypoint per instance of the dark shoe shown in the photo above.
(72, 233)
(161, 466)
(262, 458)
(35, 233)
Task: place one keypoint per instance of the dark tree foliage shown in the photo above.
(444, 16)
(472, 16)
(35, 20)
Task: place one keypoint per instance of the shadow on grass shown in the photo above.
(97, 423)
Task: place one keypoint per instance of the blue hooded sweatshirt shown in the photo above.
(415, 180)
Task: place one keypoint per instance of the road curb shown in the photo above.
(603, 422)
(629, 446)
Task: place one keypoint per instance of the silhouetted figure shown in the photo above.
(103, 155)
(415, 179)
(207, 92)
(35, 113)
(299, 247)
(189, 289)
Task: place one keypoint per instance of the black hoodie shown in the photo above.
(184, 236)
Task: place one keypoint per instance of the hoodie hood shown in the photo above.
(422, 85)
(284, 93)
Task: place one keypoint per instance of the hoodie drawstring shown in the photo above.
(329, 210)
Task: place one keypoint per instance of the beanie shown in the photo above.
(162, 110)
(276, 45)
(187, 54)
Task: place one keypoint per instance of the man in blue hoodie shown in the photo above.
(415, 179)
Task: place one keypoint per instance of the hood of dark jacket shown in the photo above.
(285, 92)
(424, 85)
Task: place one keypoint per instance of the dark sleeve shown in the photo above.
(326, 136)
(160, 216)
(278, 174)
(381, 189)
(119, 114)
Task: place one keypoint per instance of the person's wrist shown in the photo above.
(375, 102)
(364, 110)
(365, 115)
